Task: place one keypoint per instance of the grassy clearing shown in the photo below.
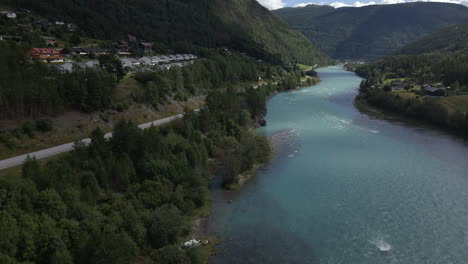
(405, 94)
(303, 67)
(457, 102)
(389, 81)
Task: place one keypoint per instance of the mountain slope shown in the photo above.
(243, 25)
(374, 31)
(452, 38)
(302, 15)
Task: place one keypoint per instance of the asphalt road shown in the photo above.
(8, 163)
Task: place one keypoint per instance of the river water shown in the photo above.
(345, 187)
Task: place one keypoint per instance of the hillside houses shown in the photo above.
(398, 85)
(45, 54)
(147, 47)
(25, 27)
(69, 66)
(434, 90)
(130, 63)
(8, 14)
(158, 60)
(49, 40)
(69, 52)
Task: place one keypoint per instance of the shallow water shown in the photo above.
(344, 187)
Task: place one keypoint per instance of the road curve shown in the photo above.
(11, 162)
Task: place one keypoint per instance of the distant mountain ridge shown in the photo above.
(371, 31)
(243, 25)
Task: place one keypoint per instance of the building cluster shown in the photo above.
(8, 14)
(144, 63)
(56, 55)
(157, 60)
(434, 90)
(65, 59)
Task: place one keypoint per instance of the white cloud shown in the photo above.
(391, 2)
(355, 4)
(272, 4)
(304, 4)
(382, 2)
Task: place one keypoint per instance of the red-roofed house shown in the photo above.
(44, 54)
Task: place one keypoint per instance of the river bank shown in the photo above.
(280, 145)
(428, 112)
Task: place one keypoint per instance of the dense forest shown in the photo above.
(130, 199)
(371, 31)
(450, 39)
(419, 69)
(217, 72)
(180, 25)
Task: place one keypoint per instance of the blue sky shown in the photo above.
(275, 4)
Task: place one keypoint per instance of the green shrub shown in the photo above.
(121, 107)
(28, 128)
(7, 140)
(44, 125)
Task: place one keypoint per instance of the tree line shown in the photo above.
(213, 72)
(448, 68)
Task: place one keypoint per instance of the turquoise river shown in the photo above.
(345, 188)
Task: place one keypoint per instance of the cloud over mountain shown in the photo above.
(272, 4)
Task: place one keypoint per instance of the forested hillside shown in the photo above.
(373, 31)
(181, 25)
(452, 38)
(301, 16)
(130, 199)
(31, 89)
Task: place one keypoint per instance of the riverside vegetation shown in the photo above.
(131, 199)
(451, 69)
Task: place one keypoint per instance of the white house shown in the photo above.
(146, 61)
(129, 62)
(91, 63)
(155, 60)
(8, 14)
